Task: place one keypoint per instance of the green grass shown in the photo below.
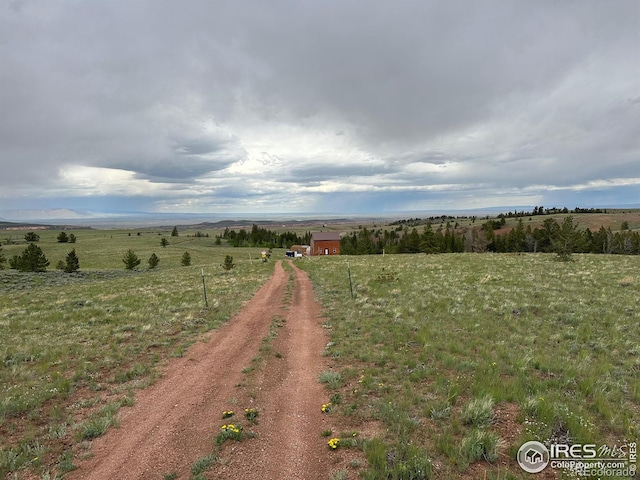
(479, 445)
(435, 348)
(331, 379)
(69, 340)
(478, 412)
(202, 464)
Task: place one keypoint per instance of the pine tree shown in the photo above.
(32, 260)
(72, 238)
(153, 261)
(32, 237)
(130, 260)
(174, 232)
(72, 263)
(186, 259)
(63, 237)
(566, 240)
(2, 259)
(164, 242)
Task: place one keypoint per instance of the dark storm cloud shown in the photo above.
(319, 172)
(186, 159)
(321, 96)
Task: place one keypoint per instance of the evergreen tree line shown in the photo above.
(552, 237)
(261, 237)
(537, 210)
(550, 211)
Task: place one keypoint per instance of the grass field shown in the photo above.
(455, 359)
(468, 356)
(75, 347)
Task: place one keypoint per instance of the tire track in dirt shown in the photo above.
(289, 442)
(174, 422)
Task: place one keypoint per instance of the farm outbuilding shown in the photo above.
(325, 243)
(301, 250)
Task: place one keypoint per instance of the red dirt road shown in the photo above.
(175, 422)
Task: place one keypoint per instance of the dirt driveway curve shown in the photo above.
(174, 422)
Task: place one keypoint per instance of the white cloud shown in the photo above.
(85, 181)
(215, 106)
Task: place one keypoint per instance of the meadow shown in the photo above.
(75, 347)
(451, 360)
(461, 358)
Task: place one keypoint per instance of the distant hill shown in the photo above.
(4, 225)
(263, 223)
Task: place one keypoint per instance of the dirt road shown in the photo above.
(174, 422)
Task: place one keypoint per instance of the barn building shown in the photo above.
(325, 243)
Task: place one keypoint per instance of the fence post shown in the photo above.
(204, 287)
(350, 284)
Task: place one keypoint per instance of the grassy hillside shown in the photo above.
(469, 355)
(75, 347)
(453, 360)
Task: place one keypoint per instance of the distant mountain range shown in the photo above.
(66, 217)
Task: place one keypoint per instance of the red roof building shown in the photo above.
(325, 243)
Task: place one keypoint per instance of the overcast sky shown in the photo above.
(332, 106)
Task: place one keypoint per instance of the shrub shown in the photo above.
(32, 237)
(153, 261)
(228, 263)
(63, 237)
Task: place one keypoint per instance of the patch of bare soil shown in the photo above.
(175, 422)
